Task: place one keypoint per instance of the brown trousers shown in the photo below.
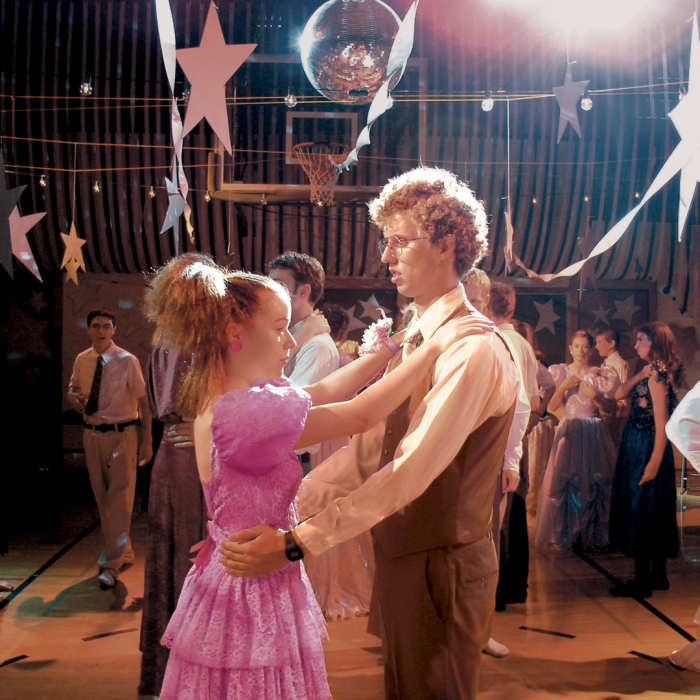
(436, 608)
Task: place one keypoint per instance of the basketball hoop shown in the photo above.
(319, 161)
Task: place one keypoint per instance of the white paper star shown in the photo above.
(601, 315)
(547, 317)
(625, 309)
(19, 226)
(371, 308)
(73, 249)
(355, 323)
(568, 96)
(685, 117)
(8, 201)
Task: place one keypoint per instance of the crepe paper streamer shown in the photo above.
(568, 96)
(73, 248)
(8, 201)
(586, 244)
(398, 58)
(685, 118)
(19, 226)
(208, 68)
(176, 206)
(508, 247)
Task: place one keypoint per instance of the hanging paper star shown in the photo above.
(355, 323)
(23, 335)
(208, 68)
(547, 317)
(568, 96)
(371, 308)
(685, 118)
(8, 201)
(72, 270)
(73, 248)
(176, 206)
(19, 226)
(625, 309)
(601, 315)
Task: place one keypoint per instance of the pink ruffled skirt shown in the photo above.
(246, 638)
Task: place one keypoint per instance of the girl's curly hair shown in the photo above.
(440, 205)
(192, 301)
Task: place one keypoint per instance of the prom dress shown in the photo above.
(249, 638)
(574, 508)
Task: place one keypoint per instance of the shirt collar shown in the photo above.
(294, 330)
(439, 311)
(506, 327)
(613, 356)
(107, 355)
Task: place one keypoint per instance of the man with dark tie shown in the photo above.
(107, 386)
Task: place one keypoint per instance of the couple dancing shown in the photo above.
(247, 624)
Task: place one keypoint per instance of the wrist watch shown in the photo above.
(292, 550)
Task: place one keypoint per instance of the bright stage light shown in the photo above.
(593, 15)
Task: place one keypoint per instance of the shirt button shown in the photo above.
(386, 452)
(389, 431)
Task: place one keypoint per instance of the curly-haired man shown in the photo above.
(424, 480)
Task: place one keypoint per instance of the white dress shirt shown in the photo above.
(620, 365)
(474, 380)
(683, 427)
(121, 387)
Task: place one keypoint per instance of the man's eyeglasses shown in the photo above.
(396, 245)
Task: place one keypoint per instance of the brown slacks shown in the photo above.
(436, 608)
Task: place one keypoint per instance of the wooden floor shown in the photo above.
(62, 638)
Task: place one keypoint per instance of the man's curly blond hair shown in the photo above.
(440, 205)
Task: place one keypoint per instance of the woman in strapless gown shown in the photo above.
(574, 507)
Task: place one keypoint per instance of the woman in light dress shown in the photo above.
(574, 508)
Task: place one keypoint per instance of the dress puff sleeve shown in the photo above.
(254, 429)
(558, 373)
(606, 382)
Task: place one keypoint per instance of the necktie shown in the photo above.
(95, 388)
(413, 340)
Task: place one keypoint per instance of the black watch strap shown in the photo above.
(292, 550)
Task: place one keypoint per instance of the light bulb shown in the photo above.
(534, 200)
(42, 181)
(152, 192)
(487, 102)
(586, 198)
(263, 199)
(586, 102)
(637, 195)
(185, 96)
(86, 87)
(207, 196)
(290, 100)
(96, 187)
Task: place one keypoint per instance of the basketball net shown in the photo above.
(319, 161)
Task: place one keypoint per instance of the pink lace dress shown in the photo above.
(249, 638)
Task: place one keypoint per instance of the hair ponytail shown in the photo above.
(193, 300)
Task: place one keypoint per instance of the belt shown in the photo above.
(109, 427)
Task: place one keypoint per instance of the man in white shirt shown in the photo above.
(607, 342)
(424, 480)
(107, 387)
(317, 357)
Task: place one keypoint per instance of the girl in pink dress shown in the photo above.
(250, 638)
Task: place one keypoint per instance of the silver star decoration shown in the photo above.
(601, 315)
(8, 201)
(547, 317)
(371, 308)
(685, 117)
(176, 206)
(625, 309)
(568, 96)
(355, 323)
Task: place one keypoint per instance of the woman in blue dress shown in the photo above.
(643, 511)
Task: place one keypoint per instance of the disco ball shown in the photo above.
(345, 49)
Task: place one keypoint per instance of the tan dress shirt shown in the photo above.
(474, 380)
(121, 387)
